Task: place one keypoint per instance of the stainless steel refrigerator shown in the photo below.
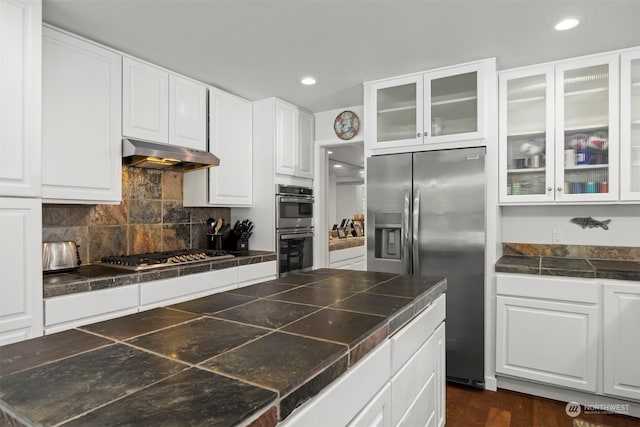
(426, 216)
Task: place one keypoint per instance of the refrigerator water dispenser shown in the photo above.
(388, 239)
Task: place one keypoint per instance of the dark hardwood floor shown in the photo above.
(467, 407)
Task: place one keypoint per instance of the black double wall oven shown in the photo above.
(294, 228)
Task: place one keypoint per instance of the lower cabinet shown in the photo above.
(621, 339)
(255, 273)
(400, 383)
(343, 400)
(69, 311)
(377, 413)
(20, 269)
(349, 258)
(159, 293)
(548, 329)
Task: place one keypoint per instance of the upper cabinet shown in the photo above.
(20, 32)
(187, 113)
(438, 106)
(231, 139)
(630, 125)
(559, 132)
(81, 128)
(162, 107)
(294, 141)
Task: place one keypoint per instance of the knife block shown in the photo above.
(235, 242)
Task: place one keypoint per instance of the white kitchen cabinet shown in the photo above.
(377, 413)
(559, 132)
(164, 292)
(81, 121)
(621, 339)
(21, 269)
(231, 140)
(630, 125)
(418, 369)
(357, 386)
(162, 107)
(306, 132)
(294, 141)
(20, 102)
(438, 106)
(548, 329)
(251, 274)
(69, 311)
(187, 113)
(400, 383)
(348, 259)
(145, 101)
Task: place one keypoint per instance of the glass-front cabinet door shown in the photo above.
(526, 135)
(452, 104)
(630, 126)
(587, 137)
(398, 111)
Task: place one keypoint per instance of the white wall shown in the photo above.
(348, 200)
(324, 125)
(535, 224)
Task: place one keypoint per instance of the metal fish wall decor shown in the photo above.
(587, 221)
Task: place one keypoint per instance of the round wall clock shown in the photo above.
(346, 125)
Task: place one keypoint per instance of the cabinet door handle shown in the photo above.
(418, 135)
(559, 188)
(550, 188)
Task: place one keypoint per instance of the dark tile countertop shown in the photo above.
(570, 267)
(95, 277)
(249, 355)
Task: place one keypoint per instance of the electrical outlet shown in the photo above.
(557, 236)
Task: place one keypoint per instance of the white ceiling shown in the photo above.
(261, 48)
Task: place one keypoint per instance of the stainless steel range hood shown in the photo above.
(155, 155)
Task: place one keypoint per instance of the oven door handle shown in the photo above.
(295, 199)
(295, 236)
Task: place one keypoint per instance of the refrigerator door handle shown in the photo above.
(416, 228)
(406, 238)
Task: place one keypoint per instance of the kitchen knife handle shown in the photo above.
(416, 228)
(405, 228)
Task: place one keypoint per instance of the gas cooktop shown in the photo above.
(163, 259)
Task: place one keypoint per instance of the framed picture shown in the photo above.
(357, 225)
(341, 233)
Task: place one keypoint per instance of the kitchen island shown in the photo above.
(248, 356)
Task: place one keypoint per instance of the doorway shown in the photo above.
(340, 196)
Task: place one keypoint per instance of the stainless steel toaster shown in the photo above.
(60, 256)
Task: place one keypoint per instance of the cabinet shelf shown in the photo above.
(587, 91)
(454, 101)
(526, 170)
(526, 133)
(586, 167)
(588, 127)
(525, 100)
(397, 109)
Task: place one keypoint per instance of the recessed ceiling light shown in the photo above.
(329, 152)
(308, 81)
(337, 166)
(567, 23)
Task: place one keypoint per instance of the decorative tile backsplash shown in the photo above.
(150, 218)
(627, 253)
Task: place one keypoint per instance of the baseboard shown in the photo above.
(588, 401)
(490, 383)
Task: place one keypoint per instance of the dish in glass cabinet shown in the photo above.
(346, 125)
